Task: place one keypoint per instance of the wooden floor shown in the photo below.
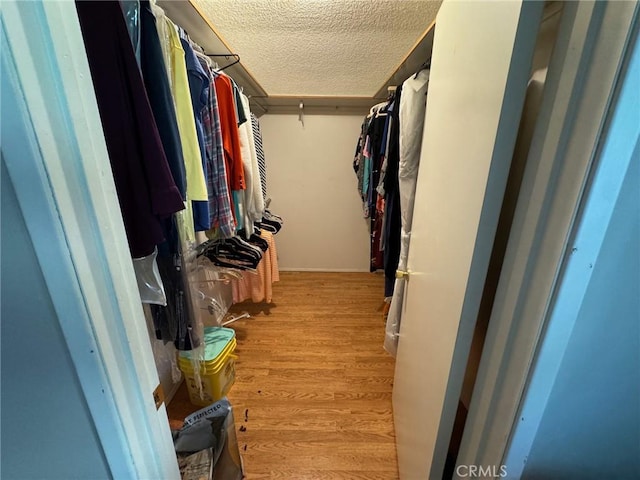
(314, 381)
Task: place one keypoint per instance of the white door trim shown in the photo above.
(71, 210)
(621, 142)
(582, 78)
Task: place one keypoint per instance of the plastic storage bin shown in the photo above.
(217, 370)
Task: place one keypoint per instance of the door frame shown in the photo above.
(68, 199)
(547, 242)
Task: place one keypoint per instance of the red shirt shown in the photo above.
(230, 138)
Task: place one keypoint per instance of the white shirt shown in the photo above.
(413, 108)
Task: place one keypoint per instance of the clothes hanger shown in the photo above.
(206, 302)
(224, 275)
(391, 92)
(236, 318)
(381, 112)
(272, 216)
(226, 56)
(196, 48)
(271, 225)
(256, 239)
(426, 65)
(231, 253)
(206, 59)
(182, 33)
(375, 109)
(231, 263)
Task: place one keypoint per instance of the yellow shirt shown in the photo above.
(196, 183)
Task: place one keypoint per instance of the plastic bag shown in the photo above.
(131, 12)
(213, 428)
(149, 282)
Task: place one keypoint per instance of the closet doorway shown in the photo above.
(502, 56)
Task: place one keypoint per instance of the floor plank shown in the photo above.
(314, 381)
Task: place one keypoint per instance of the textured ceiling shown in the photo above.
(320, 47)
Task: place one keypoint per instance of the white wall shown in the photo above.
(313, 187)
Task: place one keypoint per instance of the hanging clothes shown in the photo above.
(231, 141)
(239, 196)
(146, 189)
(231, 144)
(166, 35)
(165, 40)
(359, 157)
(262, 165)
(220, 209)
(373, 167)
(158, 89)
(199, 89)
(241, 112)
(253, 201)
(178, 134)
(196, 185)
(391, 192)
(413, 104)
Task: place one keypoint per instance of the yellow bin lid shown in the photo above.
(212, 366)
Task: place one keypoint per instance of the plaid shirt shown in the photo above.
(220, 212)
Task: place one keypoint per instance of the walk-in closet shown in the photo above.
(320, 239)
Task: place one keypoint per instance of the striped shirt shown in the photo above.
(262, 166)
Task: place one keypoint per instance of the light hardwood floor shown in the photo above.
(314, 381)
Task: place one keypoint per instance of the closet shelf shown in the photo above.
(188, 16)
(420, 53)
